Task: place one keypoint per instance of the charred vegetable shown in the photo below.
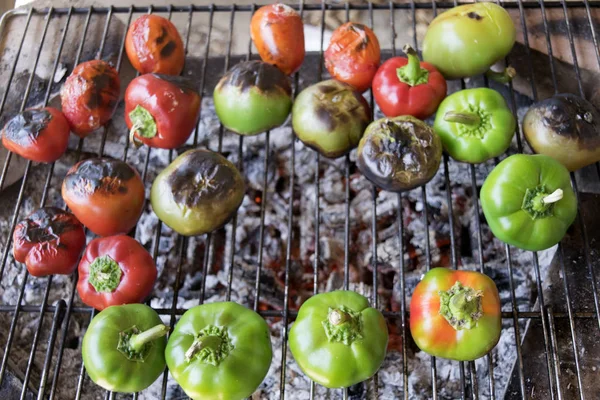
(330, 117)
(90, 96)
(566, 128)
(253, 97)
(399, 154)
(106, 195)
(198, 193)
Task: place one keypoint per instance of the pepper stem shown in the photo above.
(105, 274)
(132, 138)
(504, 76)
(137, 341)
(412, 73)
(212, 342)
(338, 317)
(143, 123)
(461, 306)
(553, 197)
(463, 117)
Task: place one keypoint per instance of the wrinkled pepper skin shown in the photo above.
(153, 45)
(528, 201)
(90, 96)
(197, 193)
(278, 34)
(475, 125)
(455, 314)
(117, 355)
(253, 97)
(338, 340)
(49, 241)
(468, 39)
(219, 351)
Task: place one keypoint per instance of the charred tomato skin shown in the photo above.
(40, 134)
(353, 55)
(90, 96)
(330, 117)
(48, 242)
(399, 154)
(278, 34)
(129, 266)
(106, 195)
(253, 97)
(153, 44)
(173, 105)
(197, 193)
(566, 128)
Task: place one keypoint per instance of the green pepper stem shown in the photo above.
(132, 138)
(143, 123)
(461, 306)
(412, 73)
(338, 317)
(463, 117)
(200, 343)
(504, 76)
(137, 341)
(105, 274)
(553, 197)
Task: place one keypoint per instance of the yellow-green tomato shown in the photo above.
(468, 39)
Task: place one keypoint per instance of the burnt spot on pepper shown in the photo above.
(182, 82)
(163, 35)
(256, 74)
(25, 127)
(168, 49)
(99, 175)
(336, 102)
(46, 224)
(475, 16)
(202, 178)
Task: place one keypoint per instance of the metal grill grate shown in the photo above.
(61, 312)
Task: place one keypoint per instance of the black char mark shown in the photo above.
(182, 82)
(265, 77)
(25, 127)
(168, 49)
(475, 16)
(103, 80)
(99, 174)
(163, 35)
(47, 224)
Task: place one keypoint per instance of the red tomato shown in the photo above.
(90, 95)
(278, 33)
(405, 86)
(353, 55)
(154, 45)
(37, 134)
(164, 109)
(106, 195)
(115, 270)
(49, 241)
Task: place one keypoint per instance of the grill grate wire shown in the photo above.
(61, 312)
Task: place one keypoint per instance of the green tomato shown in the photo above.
(197, 193)
(219, 351)
(330, 117)
(123, 349)
(338, 339)
(528, 201)
(253, 97)
(468, 39)
(475, 125)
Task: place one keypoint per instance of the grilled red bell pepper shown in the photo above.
(455, 314)
(115, 270)
(49, 241)
(405, 86)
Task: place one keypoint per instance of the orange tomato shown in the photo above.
(353, 55)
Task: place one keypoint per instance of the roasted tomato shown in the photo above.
(161, 110)
(278, 33)
(115, 270)
(40, 134)
(154, 45)
(90, 95)
(106, 195)
(49, 241)
(353, 55)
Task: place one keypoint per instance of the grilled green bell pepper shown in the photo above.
(528, 201)
(219, 351)
(123, 349)
(338, 339)
(474, 125)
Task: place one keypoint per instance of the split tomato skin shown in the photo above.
(106, 195)
(353, 55)
(278, 34)
(39, 134)
(153, 45)
(90, 96)
(434, 334)
(48, 242)
(170, 108)
(115, 270)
